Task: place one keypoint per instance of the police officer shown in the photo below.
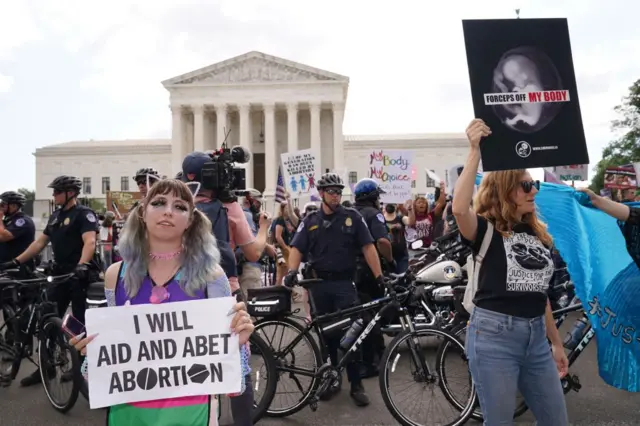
(72, 231)
(332, 238)
(17, 230)
(146, 177)
(367, 193)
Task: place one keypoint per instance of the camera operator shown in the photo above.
(231, 228)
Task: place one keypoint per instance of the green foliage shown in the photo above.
(626, 149)
(28, 193)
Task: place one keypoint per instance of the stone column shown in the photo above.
(271, 160)
(292, 127)
(316, 146)
(222, 128)
(338, 145)
(198, 127)
(176, 139)
(245, 140)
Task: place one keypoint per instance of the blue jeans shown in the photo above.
(510, 353)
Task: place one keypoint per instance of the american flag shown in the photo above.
(280, 189)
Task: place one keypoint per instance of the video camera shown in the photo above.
(220, 174)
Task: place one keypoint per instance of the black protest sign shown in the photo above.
(162, 351)
(523, 86)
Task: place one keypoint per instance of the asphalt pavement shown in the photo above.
(595, 405)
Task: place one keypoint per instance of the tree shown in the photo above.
(28, 194)
(626, 149)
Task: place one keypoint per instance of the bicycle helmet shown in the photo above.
(143, 172)
(368, 189)
(66, 183)
(330, 180)
(11, 197)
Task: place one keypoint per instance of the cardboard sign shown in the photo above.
(620, 177)
(523, 86)
(158, 351)
(121, 202)
(392, 170)
(301, 169)
(569, 173)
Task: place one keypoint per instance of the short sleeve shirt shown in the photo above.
(23, 230)
(65, 230)
(515, 273)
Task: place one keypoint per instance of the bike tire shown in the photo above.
(53, 325)
(387, 362)
(14, 350)
(260, 408)
(298, 329)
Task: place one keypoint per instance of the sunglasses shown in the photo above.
(333, 191)
(528, 185)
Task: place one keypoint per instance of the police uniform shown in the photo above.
(333, 243)
(367, 193)
(65, 229)
(23, 230)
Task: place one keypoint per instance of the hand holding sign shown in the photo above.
(169, 350)
(241, 323)
(476, 130)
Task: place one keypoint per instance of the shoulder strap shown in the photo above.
(485, 243)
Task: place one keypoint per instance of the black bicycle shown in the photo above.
(323, 375)
(569, 382)
(28, 313)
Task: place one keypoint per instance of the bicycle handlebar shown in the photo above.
(566, 286)
(50, 279)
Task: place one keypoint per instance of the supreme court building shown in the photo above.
(263, 103)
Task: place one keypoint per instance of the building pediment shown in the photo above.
(255, 67)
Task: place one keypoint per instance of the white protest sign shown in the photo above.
(392, 170)
(300, 170)
(159, 351)
(575, 172)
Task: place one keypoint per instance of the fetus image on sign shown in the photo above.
(526, 69)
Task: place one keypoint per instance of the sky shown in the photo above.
(84, 69)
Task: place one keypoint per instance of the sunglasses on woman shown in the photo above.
(528, 185)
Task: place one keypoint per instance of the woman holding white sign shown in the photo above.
(169, 255)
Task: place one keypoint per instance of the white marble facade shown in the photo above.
(265, 104)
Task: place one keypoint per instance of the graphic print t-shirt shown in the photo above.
(515, 274)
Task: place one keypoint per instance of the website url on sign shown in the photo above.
(545, 148)
(526, 97)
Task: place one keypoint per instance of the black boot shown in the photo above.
(33, 379)
(358, 395)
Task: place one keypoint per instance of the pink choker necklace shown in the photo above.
(165, 256)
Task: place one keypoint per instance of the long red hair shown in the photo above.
(494, 202)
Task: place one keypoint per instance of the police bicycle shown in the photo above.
(569, 382)
(28, 313)
(271, 305)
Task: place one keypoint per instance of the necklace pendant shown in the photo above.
(158, 295)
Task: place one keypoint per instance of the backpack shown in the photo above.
(474, 263)
(217, 214)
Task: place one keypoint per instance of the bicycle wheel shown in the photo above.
(58, 360)
(10, 356)
(265, 378)
(443, 350)
(278, 334)
(429, 382)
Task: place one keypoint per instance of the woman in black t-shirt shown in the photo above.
(507, 336)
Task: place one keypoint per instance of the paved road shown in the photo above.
(597, 404)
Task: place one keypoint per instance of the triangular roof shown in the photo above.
(255, 67)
